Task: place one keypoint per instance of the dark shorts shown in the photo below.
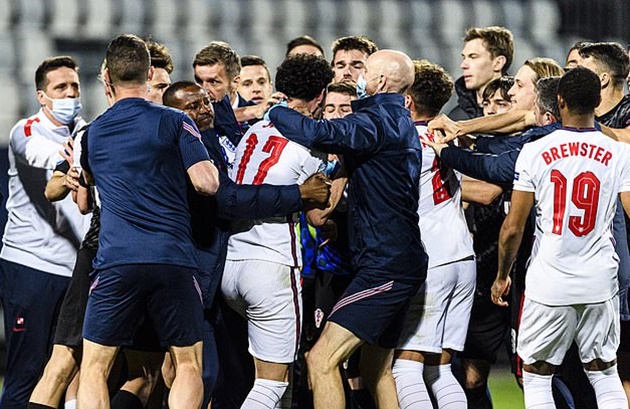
(70, 322)
(374, 309)
(487, 330)
(329, 288)
(624, 337)
(122, 296)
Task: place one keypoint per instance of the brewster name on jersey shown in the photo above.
(582, 149)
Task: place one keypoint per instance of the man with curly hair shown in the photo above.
(261, 279)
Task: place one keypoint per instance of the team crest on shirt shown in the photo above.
(516, 176)
(319, 317)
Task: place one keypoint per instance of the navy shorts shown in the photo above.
(122, 296)
(374, 308)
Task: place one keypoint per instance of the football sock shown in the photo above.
(70, 404)
(608, 388)
(478, 397)
(447, 391)
(265, 394)
(412, 392)
(38, 406)
(537, 390)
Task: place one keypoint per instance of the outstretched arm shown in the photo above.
(353, 133)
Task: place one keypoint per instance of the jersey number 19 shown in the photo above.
(585, 197)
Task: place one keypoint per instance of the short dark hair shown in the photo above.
(502, 84)
(547, 95)
(169, 99)
(249, 60)
(498, 40)
(128, 59)
(612, 57)
(576, 46)
(303, 76)
(360, 43)
(51, 64)
(303, 40)
(580, 90)
(346, 87)
(431, 89)
(160, 56)
(219, 52)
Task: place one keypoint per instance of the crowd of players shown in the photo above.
(335, 243)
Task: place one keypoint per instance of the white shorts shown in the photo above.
(269, 295)
(546, 332)
(439, 313)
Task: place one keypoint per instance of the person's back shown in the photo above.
(143, 194)
(576, 173)
(390, 170)
(573, 178)
(139, 155)
(440, 210)
(382, 154)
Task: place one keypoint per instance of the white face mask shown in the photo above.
(65, 110)
(361, 87)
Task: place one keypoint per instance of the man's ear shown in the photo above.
(382, 84)
(409, 104)
(40, 97)
(604, 80)
(236, 81)
(561, 103)
(498, 63)
(151, 73)
(320, 97)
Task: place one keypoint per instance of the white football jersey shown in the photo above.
(265, 156)
(576, 177)
(40, 234)
(442, 223)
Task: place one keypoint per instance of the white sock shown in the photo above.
(412, 392)
(70, 404)
(608, 388)
(537, 390)
(265, 394)
(286, 402)
(447, 391)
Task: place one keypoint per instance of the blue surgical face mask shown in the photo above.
(361, 85)
(65, 110)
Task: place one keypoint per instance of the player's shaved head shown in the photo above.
(396, 66)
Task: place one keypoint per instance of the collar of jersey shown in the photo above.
(572, 129)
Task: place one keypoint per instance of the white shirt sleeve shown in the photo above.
(624, 174)
(523, 175)
(36, 150)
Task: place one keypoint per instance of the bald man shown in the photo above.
(382, 154)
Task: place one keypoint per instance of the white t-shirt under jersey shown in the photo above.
(265, 156)
(442, 223)
(576, 176)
